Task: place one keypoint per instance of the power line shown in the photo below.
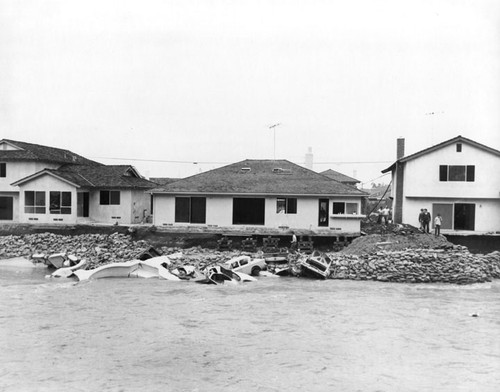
(223, 163)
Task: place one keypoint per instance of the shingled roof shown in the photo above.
(454, 140)
(96, 177)
(334, 175)
(264, 177)
(36, 152)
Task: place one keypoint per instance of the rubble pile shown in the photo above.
(373, 257)
(376, 242)
(456, 265)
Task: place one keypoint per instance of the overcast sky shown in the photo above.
(202, 81)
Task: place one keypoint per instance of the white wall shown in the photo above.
(121, 213)
(47, 183)
(487, 211)
(18, 170)
(421, 177)
(219, 212)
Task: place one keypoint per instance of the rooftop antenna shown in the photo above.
(273, 127)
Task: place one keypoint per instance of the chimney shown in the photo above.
(400, 150)
(309, 159)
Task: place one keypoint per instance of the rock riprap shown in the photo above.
(456, 265)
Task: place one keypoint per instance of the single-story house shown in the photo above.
(260, 194)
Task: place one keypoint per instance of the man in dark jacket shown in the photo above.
(426, 220)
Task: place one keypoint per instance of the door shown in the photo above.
(323, 212)
(465, 216)
(6, 208)
(82, 201)
(446, 211)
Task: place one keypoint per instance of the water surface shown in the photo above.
(278, 334)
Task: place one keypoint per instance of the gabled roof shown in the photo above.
(334, 175)
(96, 177)
(457, 139)
(22, 151)
(262, 177)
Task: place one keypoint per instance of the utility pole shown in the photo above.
(273, 127)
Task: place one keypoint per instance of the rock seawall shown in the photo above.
(454, 264)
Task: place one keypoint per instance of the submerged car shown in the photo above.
(316, 265)
(221, 275)
(246, 264)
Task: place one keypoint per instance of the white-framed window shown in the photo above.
(457, 173)
(344, 208)
(109, 198)
(286, 205)
(60, 202)
(34, 202)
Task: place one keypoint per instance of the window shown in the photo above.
(459, 147)
(60, 202)
(34, 202)
(248, 211)
(457, 173)
(286, 205)
(109, 197)
(344, 208)
(3, 169)
(190, 209)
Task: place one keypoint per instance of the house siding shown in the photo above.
(46, 184)
(219, 212)
(422, 187)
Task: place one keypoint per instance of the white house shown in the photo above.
(41, 184)
(458, 178)
(260, 194)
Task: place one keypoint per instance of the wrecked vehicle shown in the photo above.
(221, 275)
(316, 265)
(246, 264)
(156, 267)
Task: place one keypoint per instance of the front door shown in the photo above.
(465, 216)
(323, 212)
(82, 202)
(6, 208)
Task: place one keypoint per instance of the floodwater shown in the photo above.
(277, 334)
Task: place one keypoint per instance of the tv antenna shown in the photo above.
(273, 127)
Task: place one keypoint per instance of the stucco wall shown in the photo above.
(121, 213)
(219, 212)
(141, 206)
(422, 174)
(18, 170)
(487, 211)
(46, 184)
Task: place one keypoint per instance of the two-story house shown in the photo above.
(41, 184)
(260, 194)
(457, 178)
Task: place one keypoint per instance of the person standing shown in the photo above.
(293, 244)
(385, 215)
(421, 219)
(437, 225)
(426, 220)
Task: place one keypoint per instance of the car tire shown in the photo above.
(255, 271)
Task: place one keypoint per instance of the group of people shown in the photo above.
(384, 214)
(424, 218)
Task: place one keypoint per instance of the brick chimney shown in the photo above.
(400, 150)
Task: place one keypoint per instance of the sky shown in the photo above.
(175, 88)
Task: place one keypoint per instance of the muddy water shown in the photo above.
(279, 334)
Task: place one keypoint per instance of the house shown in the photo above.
(260, 195)
(335, 175)
(41, 184)
(457, 178)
